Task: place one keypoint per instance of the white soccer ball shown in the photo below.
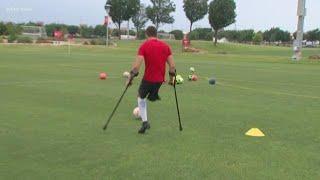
(126, 74)
(136, 113)
(179, 79)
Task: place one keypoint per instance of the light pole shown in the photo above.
(107, 8)
(297, 44)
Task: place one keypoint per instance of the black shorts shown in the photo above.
(150, 90)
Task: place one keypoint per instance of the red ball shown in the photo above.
(103, 76)
(194, 78)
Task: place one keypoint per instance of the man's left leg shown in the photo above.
(142, 104)
(144, 90)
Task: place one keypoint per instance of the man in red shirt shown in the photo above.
(155, 54)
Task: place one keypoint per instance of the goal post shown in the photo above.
(34, 32)
(166, 36)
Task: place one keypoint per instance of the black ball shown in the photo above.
(212, 81)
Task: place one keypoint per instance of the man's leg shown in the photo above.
(142, 104)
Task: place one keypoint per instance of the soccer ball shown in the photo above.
(103, 76)
(179, 79)
(126, 74)
(136, 113)
(212, 81)
(190, 77)
(194, 77)
(192, 69)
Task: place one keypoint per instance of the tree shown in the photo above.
(257, 38)
(313, 35)
(140, 19)
(276, 34)
(30, 23)
(195, 10)
(50, 28)
(178, 34)
(13, 29)
(245, 35)
(221, 14)
(231, 35)
(86, 31)
(3, 29)
(159, 12)
(73, 29)
(100, 30)
(201, 34)
(123, 10)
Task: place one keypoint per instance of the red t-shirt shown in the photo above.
(155, 53)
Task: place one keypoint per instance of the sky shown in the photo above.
(251, 14)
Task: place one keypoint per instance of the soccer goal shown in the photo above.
(34, 32)
(166, 36)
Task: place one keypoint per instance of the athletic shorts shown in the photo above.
(149, 90)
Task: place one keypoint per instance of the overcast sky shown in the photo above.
(255, 14)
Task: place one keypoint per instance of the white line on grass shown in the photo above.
(266, 82)
(269, 92)
(48, 81)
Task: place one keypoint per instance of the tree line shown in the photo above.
(207, 34)
(248, 36)
(221, 13)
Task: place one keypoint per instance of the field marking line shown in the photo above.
(254, 68)
(269, 92)
(49, 81)
(264, 82)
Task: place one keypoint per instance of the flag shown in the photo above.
(107, 20)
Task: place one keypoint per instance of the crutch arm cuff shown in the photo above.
(172, 73)
(134, 73)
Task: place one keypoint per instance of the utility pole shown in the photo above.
(297, 44)
(107, 8)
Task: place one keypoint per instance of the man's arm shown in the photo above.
(172, 69)
(135, 68)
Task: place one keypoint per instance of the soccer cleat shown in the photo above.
(144, 127)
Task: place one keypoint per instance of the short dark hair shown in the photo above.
(151, 31)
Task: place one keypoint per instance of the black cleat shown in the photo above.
(144, 127)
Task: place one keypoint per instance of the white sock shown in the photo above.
(142, 103)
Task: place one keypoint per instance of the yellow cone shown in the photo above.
(255, 132)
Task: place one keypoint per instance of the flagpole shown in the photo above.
(107, 32)
(107, 8)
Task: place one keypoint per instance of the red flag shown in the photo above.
(106, 20)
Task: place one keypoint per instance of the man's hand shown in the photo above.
(129, 81)
(171, 81)
(172, 74)
(172, 70)
(133, 73)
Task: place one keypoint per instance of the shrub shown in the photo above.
(12, 38)
(98, 42)
(142, 34)
(201, 34)
(257, 38)
(240, 36)
(43, 40)
(178, 34)
(194, 35)
(24, 39)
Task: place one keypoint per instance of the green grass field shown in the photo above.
(53, 108)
